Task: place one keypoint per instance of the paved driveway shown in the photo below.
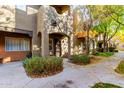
(13, 75)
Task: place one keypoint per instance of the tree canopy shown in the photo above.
(101, 18)
(104, 19)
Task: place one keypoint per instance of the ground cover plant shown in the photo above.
(80, 59)
(43, 66)
(105, 54)
(105, 85)
(120, 67)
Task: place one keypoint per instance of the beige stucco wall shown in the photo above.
(25, 19)
(38, 19)
(12, 17)
(7, 17)
(37, 35)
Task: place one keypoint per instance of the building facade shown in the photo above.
(40, 30)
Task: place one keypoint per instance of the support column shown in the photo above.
(69, 47)
(35, 41)
(41, 27)
(45, 43)
(41, 45)
(82, 47)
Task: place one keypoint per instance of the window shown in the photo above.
(53, 22)
(17, 44)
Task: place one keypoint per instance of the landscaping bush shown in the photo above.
(105, 85)
(100, 49)
(42, 66)
(80, 59)
(120, 67)
(105, 54)
(111, 49)
(115, 50)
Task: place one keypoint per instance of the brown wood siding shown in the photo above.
(12, 55)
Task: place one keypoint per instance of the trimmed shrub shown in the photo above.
(80, 59)
(115, 50)
(111, 49)
(100, 49)
(105, 54)
(41, 66)
(120, 67)
(105, 85)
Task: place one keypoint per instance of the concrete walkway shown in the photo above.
(13, 75)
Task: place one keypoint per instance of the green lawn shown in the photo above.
(120, 67)
(105, 85)
(105, 54)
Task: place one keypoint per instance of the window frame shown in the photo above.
(11, 38)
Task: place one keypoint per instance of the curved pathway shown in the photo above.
(13, 75)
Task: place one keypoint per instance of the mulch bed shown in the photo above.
(93, 60)
(79, 63)
(96, 59)
(42, 75)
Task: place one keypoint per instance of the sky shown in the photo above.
(22, 7)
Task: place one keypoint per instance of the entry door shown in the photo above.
(51, 47)
(58, 49)
(54, 47)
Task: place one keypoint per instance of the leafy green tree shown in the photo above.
(105, 19)
(110, 23)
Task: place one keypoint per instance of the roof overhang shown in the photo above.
(16, 30)
(61, 8)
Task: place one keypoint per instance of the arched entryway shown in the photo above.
(55, 44)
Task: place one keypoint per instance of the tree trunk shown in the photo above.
(107, 44)
(98, 39)
(87, 43)
(93, 51)
(107, 47)
(104, 42)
